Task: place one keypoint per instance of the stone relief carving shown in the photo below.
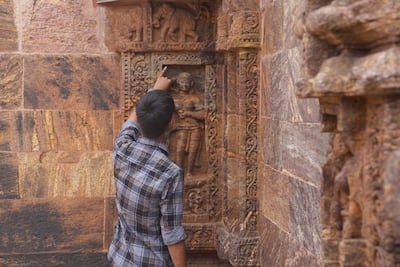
(192, 28)
(176, 24)
(188, 123)
(194, 137)
(358, 87)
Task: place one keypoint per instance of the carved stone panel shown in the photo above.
(161, 26)
(193, 139)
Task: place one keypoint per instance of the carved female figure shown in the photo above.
(188, 124)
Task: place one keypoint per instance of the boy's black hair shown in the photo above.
(154, 112)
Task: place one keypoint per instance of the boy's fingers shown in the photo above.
(163, 71)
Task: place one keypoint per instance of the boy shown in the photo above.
(149, 187)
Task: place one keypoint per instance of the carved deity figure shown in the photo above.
(188, 123)
(175, 23)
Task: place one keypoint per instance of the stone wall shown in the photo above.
(292, 147)
(60, 95)
(302, 127)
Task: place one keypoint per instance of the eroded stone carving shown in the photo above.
(176, 24)
(359, 91)
(188, 123)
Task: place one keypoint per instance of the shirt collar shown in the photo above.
(157, 145)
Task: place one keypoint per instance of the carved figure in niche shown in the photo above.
(177, 25)
(188, 123)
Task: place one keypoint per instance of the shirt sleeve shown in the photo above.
(172, 211)
(129, 133)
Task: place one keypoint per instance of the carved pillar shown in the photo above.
(358, 85)
(238, 39)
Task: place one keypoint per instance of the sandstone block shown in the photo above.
(72, 82)
(10, 81)
(8, 31)
(29, 226)
(60, 27)
(66, 174)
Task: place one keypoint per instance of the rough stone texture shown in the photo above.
(8, 175)
(11, 137)
(358, 89)
(274, 201)
(67, 131)
(59, 27)
(97, 259)
(274, 245)
(30, 226)
(292, 149)
(65, 174)
(10, 82)
(72, 82)
(8, 30)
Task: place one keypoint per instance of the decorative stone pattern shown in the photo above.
(358, 88)
(203, 199)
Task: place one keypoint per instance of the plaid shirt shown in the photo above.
(149, 192)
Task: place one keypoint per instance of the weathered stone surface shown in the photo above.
(354, 75)
(10, 82)
(72, 82)
(63, 259)
(67, 131)
(299, 256)
(8, 31)
(282, 72)
(29, 226)
(294, 149)
(8, 175)
(305, 225)
(10, 131)
(357, 24)
(358, 90)
(274, 199)
(66, 174)
(274, 244)
(302, 149)
(59, 27)
(272, 20)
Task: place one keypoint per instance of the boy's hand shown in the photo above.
(162, 83)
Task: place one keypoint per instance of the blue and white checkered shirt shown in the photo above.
(149, 198)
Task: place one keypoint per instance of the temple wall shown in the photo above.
(299, 163)
(60, 100)
(292, 147)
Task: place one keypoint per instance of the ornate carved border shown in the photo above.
(139, 72)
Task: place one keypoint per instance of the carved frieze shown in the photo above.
(161, 26)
